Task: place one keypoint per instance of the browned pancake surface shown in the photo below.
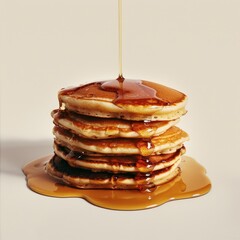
(101, 128)
(82, 178)
(172, 138)
(128, 99)
(132, 163)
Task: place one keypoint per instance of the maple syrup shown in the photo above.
(120, 78)
(191, 182)
(125, 92)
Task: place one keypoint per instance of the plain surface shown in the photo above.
(193, 46)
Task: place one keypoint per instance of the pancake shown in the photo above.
(102, 128)
(118, 134)
(173, 138)
(132, 163)
(138, 100)
(82, 178)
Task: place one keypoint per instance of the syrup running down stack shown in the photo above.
(118, 134)
(115, 135)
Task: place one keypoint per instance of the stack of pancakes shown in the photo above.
(118, 134)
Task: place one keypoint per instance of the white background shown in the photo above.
(190, 45)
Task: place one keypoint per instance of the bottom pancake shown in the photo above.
(87, 179)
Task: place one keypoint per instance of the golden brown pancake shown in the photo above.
(102, 128)
(171, 139)
(128, 99)
(127, 163)
(82, 178)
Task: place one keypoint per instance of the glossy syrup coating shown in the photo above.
(126, 99)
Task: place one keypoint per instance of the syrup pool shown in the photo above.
(192, 182)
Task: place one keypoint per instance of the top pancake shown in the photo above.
(127, 99)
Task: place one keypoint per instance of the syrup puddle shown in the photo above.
(192, 182)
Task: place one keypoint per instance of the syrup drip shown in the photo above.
(145, 146)
(144, 164)
(144, 181)
(144, 128)
(192, 182)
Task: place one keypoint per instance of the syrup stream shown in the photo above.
(120, 38)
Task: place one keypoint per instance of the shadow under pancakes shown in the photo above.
(16, 154)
